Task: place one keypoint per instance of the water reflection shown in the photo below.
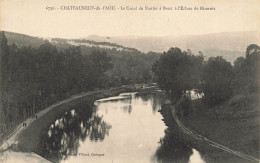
(123, 101)
(63, 137)
(157, 101)
(173, 150)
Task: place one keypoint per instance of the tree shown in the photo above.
(239, 81)
(3, 54)
(247, 71)
(217, 78)
(177, 71)
(252, 67)
(100, 63)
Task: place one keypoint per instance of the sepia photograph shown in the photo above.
(129, 81)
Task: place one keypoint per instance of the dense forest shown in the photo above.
(33, 78)
(178, 72)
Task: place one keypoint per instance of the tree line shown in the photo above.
(178, 71)
(34, 78)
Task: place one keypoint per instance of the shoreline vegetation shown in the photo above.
(226, 109)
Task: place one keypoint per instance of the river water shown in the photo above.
(125, 128)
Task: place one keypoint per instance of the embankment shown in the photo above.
(234, 123)
(29, 137)
(212, 150)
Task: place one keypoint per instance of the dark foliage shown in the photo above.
(33, 78)
(217, 79)
(178, 72)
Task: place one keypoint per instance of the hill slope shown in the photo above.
(229, 45)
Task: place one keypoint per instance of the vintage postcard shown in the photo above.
(129, 81)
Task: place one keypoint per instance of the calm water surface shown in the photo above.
(125, 128)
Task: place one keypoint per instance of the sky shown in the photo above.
(31, 17)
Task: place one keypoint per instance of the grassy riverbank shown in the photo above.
(29, 139)
(234, 124)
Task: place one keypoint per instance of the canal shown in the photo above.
(125, 128)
